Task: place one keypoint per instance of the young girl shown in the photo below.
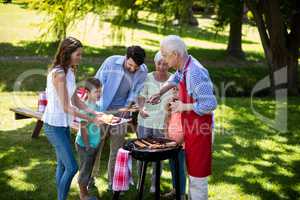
(174, 132)
(88, 138)
(59, 112)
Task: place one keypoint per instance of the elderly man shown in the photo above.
(122, 78)
(196, 103)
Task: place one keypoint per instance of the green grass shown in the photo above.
(251, 160)
(226, 75)
(242, 79)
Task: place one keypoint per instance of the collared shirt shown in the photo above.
(121, 95)
(199, 86)
(111, 74)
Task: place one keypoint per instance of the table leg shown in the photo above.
(142, 180)
(177, 181)
(37, 129)
(116, 195)
(157, 180)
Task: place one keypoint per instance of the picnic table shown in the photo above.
(27, 113)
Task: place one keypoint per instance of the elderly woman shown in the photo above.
(196, 104)
(151, 117)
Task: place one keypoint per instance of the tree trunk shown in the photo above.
(281, 48)
(192, 20)
(293, 75)
(294, 45)
(133, 17)
(184, 13)
(234, 47)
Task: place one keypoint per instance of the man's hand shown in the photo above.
(154, 99)
(179, 106)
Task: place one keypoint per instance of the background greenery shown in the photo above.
(251, 160)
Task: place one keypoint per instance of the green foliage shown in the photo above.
(61, 15)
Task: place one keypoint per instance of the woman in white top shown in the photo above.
(59, 112)
(151, 117)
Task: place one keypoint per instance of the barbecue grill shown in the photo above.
(153, 150)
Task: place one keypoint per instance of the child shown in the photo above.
(174, 132)
(88, 138)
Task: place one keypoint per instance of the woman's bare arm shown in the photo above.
(59, 82)
(141, 103)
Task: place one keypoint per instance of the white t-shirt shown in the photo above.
(156, 112)
(54, 114)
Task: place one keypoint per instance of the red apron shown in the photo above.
(197, 135)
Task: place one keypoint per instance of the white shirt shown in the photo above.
(157, 112)
(54, 114)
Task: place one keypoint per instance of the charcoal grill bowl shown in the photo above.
(151, 155)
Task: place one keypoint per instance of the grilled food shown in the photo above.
(154, 143)
(110, 119)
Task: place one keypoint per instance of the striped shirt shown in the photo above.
(199, 86)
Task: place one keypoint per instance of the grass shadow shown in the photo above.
(27, 170)
(260, 161)
(17, 59)
(254, 157)
(205, 33)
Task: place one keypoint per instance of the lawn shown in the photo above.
(252, 161)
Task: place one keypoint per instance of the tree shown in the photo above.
(61, 15)
(184, 12)
(231, 12)
(279, 29)
(168, 10)
(127, 10)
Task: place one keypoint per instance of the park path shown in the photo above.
(149, 61)
(45, 59)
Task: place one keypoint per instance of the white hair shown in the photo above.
(157, 57)
(173, 43)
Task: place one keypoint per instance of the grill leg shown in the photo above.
(142, 180)
(177, 181)
(157, 181)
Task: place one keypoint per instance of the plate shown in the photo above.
(122, 121)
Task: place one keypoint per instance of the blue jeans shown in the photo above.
(182, 176)
(67, 167)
